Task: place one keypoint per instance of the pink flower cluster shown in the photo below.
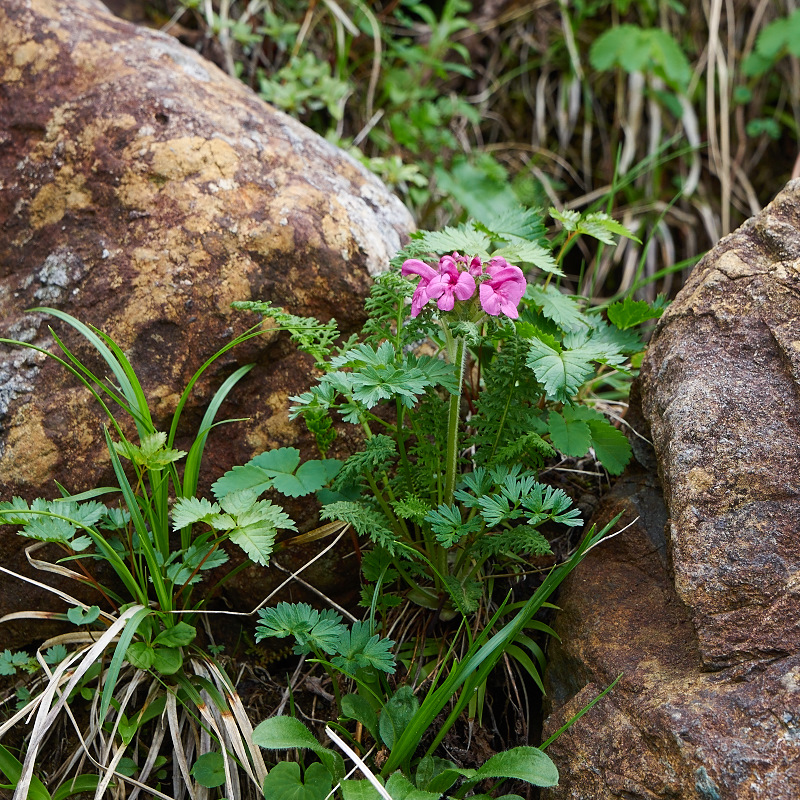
(500, 285)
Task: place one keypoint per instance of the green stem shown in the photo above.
(451, 465)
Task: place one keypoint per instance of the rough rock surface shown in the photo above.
(143, 190)
(698, 609)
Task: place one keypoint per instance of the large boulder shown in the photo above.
(697, 604)
(143, 190)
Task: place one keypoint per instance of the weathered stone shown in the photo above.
(696, 605)
(719, 390)
(143, 190)
(668, 729)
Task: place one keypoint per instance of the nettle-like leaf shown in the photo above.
(466, 238)
(561, 372)
(466, 595)
(313, 630)
(558, 307)
(629, 313)
(187, 567)
(358, 648)
(151, 452)
(280, 469)
(49, 529)
(190, 510)
(522, 251)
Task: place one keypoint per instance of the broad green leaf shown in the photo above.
(127, 766)
(397, 714)
(611, 446)
(359, 790)
(141, 655)
(521, 763)
(779, 34)
(285, 733)
(167, 660)
(400, 788)
(358, 708)
(571, 437)
(78, 616)
(178, 635)
(209, 770)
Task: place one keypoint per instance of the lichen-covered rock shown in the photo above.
(697, 605)
(142, 190)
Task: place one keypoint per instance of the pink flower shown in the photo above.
(413, 266)
(504, 289)
(450, 285)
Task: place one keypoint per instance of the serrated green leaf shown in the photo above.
(55, 654)
(560, 373)
(572, 437)
(189, 510)
(358, 650)
(628, 313)
(558, 307)
(257, 540)
(531, 253)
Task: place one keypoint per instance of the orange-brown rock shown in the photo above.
(142, 190)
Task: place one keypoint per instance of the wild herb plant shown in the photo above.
(136, 658)
(464, 386)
